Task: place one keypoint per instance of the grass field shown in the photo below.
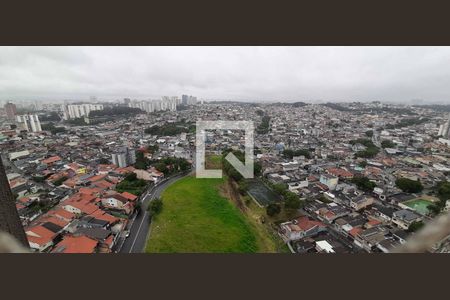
(213, 161)
(196, 218)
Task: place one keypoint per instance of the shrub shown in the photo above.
(155, 207)
(408, 185)
(273, 209)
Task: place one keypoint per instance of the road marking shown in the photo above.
(137, 233)
(151, 194)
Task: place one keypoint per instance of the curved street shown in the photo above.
(137, 238)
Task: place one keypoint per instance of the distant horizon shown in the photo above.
(62, 100)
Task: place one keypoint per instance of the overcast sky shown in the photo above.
(397, 74)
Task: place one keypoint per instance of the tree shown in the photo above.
(103, 161)
(160, 166)
(138, 207)
(434, 208)
(292, 201)
(53, 116)
(257, 168)
(131, 177)
(408, 185)
(362, 164)
(169, 129)
(260, 112)
(59, 181)
(116, 111)
(415, 226)
(243, 187)
(369, 133)
(155, 207)
(141, 161)
(152, 148)
(263, 128)
(387, 144)
(273, 209)
(363, 183)
(290, 153)
(279, 188)
(76, 122)
(443, 192)
(370, 151)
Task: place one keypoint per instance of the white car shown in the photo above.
(127, 234)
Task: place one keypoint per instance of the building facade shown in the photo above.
(75, 111)
(123, 157)
(9, 218)
(10, 110)
(149, 106)
(444, 129)
(29, 123)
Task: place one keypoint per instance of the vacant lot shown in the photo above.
(261, 193)
(196, 218)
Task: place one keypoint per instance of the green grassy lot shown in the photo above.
(213, 162)
(196, 218)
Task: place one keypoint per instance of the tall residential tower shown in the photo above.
(9, 218)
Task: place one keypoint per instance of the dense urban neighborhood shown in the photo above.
(119, 176)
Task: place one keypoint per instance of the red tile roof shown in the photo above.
(51, 159)
(340, 172)
(62, 214)
(76, 244)
(305, 224)
(129, 196)
(83, 202)
(97, 178)
(354, 231)
(90, 190)
(103, 184)
(39, 235)
(101, 215)
(55, 220)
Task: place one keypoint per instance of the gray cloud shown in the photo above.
(251, 73)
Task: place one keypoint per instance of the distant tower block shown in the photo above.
(9, 218)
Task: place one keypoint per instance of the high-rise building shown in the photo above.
(184, 99)
(9, 218)
(123, 157)
(29, 123)
(188, 100)
(166, 103)
(75, 111)
(444, 129)
(11, 110)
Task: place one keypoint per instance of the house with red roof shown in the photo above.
(339, 172)
(129, 196)
(299, 228)
(90, 190)
(118, 201)
(103, 185)
(40, 238)
(76, 244)
(80, 204)
(105, 169)
(62, 214)
(51, 160)
(102, 215)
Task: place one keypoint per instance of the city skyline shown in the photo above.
(412, 75)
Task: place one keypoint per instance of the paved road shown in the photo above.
(135, 242)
